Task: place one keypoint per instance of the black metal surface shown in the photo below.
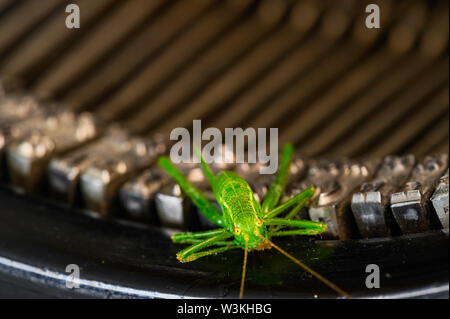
(38, 239)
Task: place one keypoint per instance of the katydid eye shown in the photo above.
(259, 222)
(237, 230)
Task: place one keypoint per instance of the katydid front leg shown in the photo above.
(185, 253)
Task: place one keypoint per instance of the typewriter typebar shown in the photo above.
(440, 200)
(332, 203)
(138, 194)
(12, 110)
(173, 208)
(102, 167)
(36, 139)
(409, 206)
(112, 172)
(371, 205)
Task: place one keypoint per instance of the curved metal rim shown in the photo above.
(121, 259)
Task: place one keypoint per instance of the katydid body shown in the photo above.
(243, 221)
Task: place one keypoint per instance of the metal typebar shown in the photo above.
(371, 205)
(409, 205)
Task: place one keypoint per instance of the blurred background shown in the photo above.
(310, 68)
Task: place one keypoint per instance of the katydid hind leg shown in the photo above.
(294, 211)
(299, 199)
(179, 237)
(279, 184)
(207, 171)
(205, 206)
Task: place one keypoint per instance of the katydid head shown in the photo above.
(251, 234)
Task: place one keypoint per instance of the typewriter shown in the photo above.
(87, 107)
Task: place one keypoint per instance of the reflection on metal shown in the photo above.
(409, 205)
(370, 206)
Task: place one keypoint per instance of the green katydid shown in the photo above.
(244, 222)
